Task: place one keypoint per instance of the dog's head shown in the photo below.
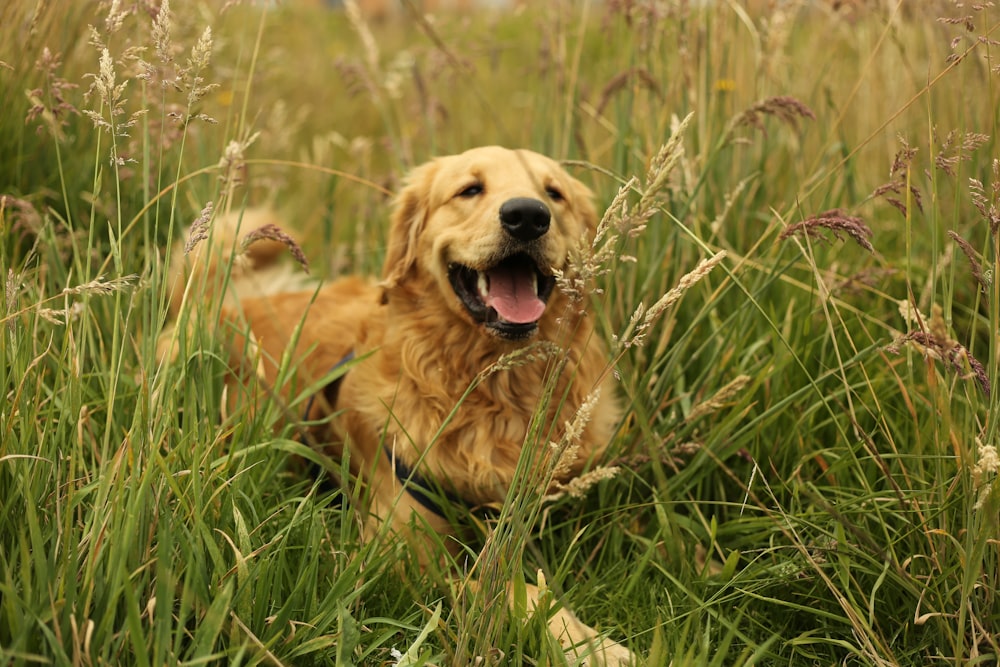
(489, 228)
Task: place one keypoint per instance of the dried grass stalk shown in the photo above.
(899, 181)
(973, 257)
(785, 108)
(988, 203)
(934, 342)
(720, 399)
(100, 286)
(199, 228)
(639, 75)
(835, 221)
(272, 232)
(957, 147)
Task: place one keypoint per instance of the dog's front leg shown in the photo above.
(578, 639)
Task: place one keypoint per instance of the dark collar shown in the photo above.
(331, 388)
(428, 494)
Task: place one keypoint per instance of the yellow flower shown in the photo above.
(724, 85)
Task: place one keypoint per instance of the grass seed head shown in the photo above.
(621, 81)
(578, 486)
(50, 104)
(540, 350)
(643, 319)
(12, 286)
(957, 147)
(835, 221)
(973, 257)
(720, 399)
(273, 232)
(162, 44)
(785, 108)
(100, 286)
(934, 342)
(191, 75)
(21, 213)
(988, 202)
(116, 17)
(232, 164)
(368, 43)
(984, 471)
(199, 228)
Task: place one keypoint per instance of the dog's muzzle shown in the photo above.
(509, 295)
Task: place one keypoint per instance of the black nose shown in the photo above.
(524, 218)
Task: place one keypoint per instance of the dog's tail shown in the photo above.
(237, 255)
(234, 256)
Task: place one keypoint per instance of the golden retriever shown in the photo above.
(475, 245)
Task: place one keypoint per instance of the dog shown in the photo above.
(477, 243)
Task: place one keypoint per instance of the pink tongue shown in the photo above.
(512, 295)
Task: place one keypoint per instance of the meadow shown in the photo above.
(807, 471)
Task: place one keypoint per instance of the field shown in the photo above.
(807, 471)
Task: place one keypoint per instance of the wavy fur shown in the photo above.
(421, 350)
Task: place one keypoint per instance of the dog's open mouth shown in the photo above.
(509, 297)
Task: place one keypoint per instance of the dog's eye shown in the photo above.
(471, 191)
(554, 195)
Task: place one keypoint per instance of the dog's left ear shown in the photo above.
(408, 219)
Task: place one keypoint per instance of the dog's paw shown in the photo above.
(601, 653)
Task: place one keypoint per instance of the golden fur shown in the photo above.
(419, 347)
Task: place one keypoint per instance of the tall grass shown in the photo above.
(807, 467)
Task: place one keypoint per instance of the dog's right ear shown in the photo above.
(409, 217)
